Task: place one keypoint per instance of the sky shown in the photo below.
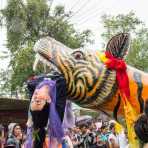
(87, 14)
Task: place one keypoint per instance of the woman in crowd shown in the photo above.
(15, 136)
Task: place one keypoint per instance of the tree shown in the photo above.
(129, 23)
(138, 54)
(120, 23)
(27, 22)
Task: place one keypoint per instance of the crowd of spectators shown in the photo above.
(97, 134)
(90, 134)
(13, 138)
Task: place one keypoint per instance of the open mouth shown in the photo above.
(46, 62)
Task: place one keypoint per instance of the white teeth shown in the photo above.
(37, 59)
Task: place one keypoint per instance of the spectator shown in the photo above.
(104, 136)
(123, 140)
(100, 143)
(84, 136)
(88, 137)
(112, 139)
(67, 143)
(15, 136)
(98, 124)
(2, 140)
(76, 137)
(92, 135)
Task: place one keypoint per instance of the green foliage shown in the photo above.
(120, 23)
(21, 66)
(138, 53)
(15, 22)
(27, 22)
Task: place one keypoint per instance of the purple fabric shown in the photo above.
(28, 142)
(69, 118)
(46, 82)
(55, 124)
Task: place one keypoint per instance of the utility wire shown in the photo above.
(82, 6)
(83, 11)
(86, 16)
(89, 18)
(91, 15)
(87, 11)
(75, 4)
(81, 22)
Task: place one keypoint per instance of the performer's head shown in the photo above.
(40, 97)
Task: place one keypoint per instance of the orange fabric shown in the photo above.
(109, 105)
(46, 143)
(130, 118)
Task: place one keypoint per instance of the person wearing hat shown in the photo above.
(14, 135)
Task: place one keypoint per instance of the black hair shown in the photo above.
(141, 125)
(83, 125)
(141, 128)
(40, 119)
(111, 126)
(146, 108)
(103, 127)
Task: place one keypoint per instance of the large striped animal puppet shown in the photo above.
(100, 82)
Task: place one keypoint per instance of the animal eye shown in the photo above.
(78, 55)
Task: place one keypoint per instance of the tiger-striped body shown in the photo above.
(89, 83)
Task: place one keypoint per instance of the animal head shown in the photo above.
(89, 82)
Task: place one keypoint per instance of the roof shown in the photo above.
(13, 104)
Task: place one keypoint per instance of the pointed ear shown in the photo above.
(118, 45)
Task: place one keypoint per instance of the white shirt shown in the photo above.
(119, 139)
(112, 136)
(123, 142)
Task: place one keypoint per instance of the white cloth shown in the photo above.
(98, 125)
(11, 128)
(112, 136)
(119, 139)
(123, 142)
(68, 141)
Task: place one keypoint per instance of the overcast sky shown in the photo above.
(87, 15)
